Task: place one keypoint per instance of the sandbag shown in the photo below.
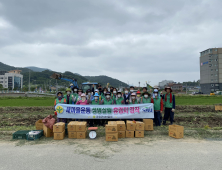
(49, 121)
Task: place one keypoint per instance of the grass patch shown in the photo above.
(26, 101)
(198, 100)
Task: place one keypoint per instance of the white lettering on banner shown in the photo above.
(142, 111)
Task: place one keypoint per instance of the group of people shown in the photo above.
(112, 96)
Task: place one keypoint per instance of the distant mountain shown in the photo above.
(42, 77)
(37, 69)
(5, 67)
(103, 80)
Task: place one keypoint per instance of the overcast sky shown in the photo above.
(131, 40)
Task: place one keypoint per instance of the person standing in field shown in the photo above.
(114, 93)
(68, 97)
(119, 98)
(62, 100)
(158, 107)
(146, 98)
(75, 94)
(108, 100)
(138, 96)
(169, 103)
(126, 96)
(133, 99)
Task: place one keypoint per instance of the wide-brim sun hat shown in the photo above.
(96, 95)
(83, 95)
(168, 88)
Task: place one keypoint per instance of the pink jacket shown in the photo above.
(82, 103)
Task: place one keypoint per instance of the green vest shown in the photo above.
(114, 97)
(95, 103)
(157, 102)
(70, 98)
(108, 102)
(103, 96)
(119, 100)
(134, 103)
(148, 100)
(167, 103)
(57, 101)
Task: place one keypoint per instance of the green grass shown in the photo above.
(24, 101)
(198, 100)
(49, 101)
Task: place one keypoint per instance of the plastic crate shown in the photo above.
(21, 134)
(34, 136)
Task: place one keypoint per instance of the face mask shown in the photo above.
(155, 94)
(133, 97)
(104, 92)
(68, 93)
(119, 95)
(145, 95)
(126, 92)
(108, 96)
(96, 98)
(59, 97)
(111, 90)
(75, 89)
(92, 93)
(138, 95)
(114, 92)
(131, 90)
(79, 93)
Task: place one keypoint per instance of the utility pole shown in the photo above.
(56, 87)
(186, 88)
(29, 80)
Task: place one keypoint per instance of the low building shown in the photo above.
(163, 83)
(175, 87)
(11, 79)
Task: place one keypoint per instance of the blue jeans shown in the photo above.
(157, 118)
(168, 113)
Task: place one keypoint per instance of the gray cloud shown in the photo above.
(129, 40)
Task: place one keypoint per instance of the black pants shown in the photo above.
(168, 113)
(157, 118)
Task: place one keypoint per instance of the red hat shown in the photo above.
(138, 92)
(168, 88)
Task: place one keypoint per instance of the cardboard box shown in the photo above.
(59, 135)
(111, 128)
(139, 126)
(130, 125)
(72, 126)
(111, 122)
(121, 126)
(81, 127)
(121, 134)
(139, 133)
(59, 127)
(129, 134)
(47, 132)
(148, 126)
(39, 125)
(112, 137)
(72, 135)
(81, 135)
(148, 121)
(176, 131)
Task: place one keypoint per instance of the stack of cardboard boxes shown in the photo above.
(81, 130)
(111, 131)
(176, 131)
(130, 129)
(72, 130)
(148, 124)
(59, 131)
(139, 133)
(121, 128)
(47, 132)
(39, 125)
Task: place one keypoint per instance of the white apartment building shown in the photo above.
(11, 79)
(163, 83)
